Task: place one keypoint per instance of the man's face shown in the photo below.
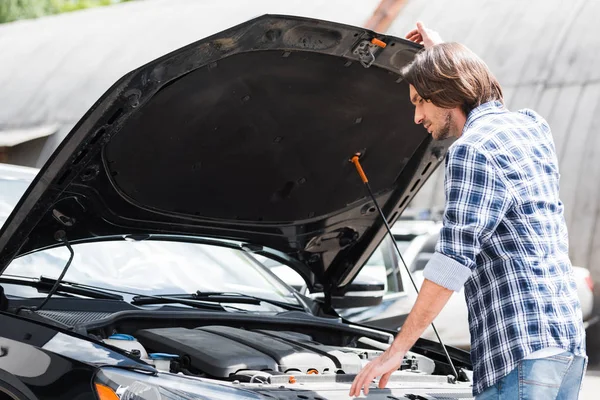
(438, 121)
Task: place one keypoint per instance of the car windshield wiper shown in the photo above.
(142, 300)
(216, 297)
(44, 285)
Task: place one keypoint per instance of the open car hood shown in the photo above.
(246, 136)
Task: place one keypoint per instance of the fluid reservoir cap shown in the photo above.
(121, 336)
(162, 356)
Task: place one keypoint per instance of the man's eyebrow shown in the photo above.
(414, 98)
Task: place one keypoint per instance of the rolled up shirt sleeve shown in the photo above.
(476, 201)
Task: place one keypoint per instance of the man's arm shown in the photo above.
(476, 202)
(432, 298)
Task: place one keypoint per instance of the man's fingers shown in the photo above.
(368, 379)
(358, 388)
(412, 33)
(362, 382)
(384, 380)
(416, 38)
(354, 385)
(429, 37)
(355, 389)
(358, 381)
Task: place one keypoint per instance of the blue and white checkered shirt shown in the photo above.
(505, 240)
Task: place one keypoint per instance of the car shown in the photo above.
(130, 262)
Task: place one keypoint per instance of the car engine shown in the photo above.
(230, 353)
(290, 355)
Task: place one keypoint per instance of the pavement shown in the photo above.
(590, 389)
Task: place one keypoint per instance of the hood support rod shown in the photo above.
(356, 161)
(61, 236)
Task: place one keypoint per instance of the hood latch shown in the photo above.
(367, 50)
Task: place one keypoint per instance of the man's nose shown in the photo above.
(418, 117)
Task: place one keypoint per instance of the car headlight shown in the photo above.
(120, 384)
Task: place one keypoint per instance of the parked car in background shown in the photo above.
(414, 240)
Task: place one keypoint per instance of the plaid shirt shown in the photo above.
(505, 240)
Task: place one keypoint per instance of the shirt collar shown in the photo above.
(491, 107)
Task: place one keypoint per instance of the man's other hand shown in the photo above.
(430, 301)
(383, 366)
(425, 36)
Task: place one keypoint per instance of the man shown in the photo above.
(503, 238)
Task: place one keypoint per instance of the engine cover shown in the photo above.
(222, 351)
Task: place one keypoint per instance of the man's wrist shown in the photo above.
(398, 346)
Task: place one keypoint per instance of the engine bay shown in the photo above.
(280, 361)
(229, 353)
(230, 347)
(284, 355)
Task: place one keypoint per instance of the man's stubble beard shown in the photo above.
(445, 130)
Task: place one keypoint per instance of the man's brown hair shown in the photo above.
(450, 75)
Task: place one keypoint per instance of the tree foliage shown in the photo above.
(12, 10)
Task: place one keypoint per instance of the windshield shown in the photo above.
(151, 267)
(154, 267)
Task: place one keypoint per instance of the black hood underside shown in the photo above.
(246, 136)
